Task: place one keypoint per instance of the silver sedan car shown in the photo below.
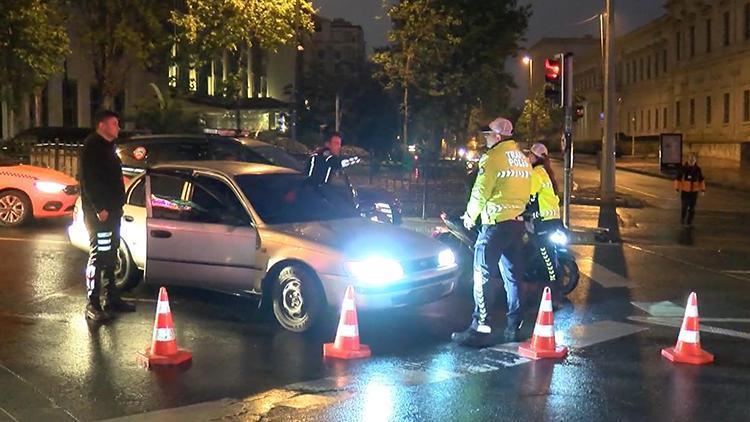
(256, 229)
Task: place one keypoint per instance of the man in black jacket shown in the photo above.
(102, 196)
(325, 161)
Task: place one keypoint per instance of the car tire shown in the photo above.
(127, 275)
(15, 208)
(297, 299)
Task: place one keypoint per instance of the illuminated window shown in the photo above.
(173, 68)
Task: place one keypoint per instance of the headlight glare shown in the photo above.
(559, 237)
(49, 187)
(376, 270)
(446, 259)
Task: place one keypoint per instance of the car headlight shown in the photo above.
(559, 237)
(446, 259)
(49, 187)
(376, 270)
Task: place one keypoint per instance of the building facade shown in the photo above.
(687, 71)
(335, 47)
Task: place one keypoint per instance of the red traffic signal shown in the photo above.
(552, 70)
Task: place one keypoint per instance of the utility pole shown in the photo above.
(338, 113)
(608, 142)
(567, 92)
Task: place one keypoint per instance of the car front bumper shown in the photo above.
(411, 292)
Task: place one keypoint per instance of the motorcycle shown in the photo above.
(461, 241)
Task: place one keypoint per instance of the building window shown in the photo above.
(627, 72)
(635, 71)
(746, 106)
(708, 110)
(640, 68)
(70, 102)
(678, 45)
(747, 21)
(691, 40)
(648, 120)
(656, 65)
(692, 112)
(664, 60)
(656, 119)
(664, 118)
(677, 114)
(648, 67)
(641, 123)
(708, 35)
(726, 29)
(726, 108)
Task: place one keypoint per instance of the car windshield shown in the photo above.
(290, 198)
(277, 157)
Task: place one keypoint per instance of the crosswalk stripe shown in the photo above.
(602, 275)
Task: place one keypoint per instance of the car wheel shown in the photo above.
(298, 300)
(127, 275)
(15, 208)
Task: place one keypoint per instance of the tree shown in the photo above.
(120, 35)
(451, 54)
(207, 28)
(420, 39)
(539, 119)
(33, 42)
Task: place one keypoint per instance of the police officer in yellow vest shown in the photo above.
(499, 197)
(544, 209)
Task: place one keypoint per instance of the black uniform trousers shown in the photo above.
(104, 241)
(689, 199)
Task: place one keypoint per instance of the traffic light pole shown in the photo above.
(608, 142)
(567, 90)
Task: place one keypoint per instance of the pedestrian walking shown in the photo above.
(689, 182)
(102, 197)
(499, 196)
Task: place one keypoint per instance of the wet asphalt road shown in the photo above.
(54, 366)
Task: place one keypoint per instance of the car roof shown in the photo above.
(230, 168)
(174, 137)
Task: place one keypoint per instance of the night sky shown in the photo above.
(550, 18)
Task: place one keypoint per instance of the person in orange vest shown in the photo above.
(689, 182)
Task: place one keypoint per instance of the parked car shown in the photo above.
(28, 192)
(140, 152)
(263, 230)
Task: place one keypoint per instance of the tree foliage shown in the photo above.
(206, 28)
(539, 119)
(120, 36)
(33, 41)
(451, 54)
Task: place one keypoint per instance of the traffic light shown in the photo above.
(553, 74)
(580, 112)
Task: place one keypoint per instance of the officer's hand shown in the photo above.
(468, 222)
(703, 193)
(102, 215)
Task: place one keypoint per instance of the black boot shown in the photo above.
(473, 338)
(95, 313)
(512, 332)
(116, 304)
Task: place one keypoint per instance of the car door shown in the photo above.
(199, 234)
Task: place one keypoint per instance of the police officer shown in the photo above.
(544, 209)
(325, 161)
(499, 197)
(102, 196)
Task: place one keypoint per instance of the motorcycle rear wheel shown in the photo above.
(569, 274)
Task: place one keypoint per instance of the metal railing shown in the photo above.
(62, 157)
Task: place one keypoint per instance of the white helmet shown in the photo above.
(539, 149)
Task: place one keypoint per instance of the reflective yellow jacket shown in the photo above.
(545, 203)
(503, 185)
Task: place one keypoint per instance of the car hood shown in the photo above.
(41, 173)
(359, 238)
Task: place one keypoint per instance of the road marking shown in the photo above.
(602, 275)
(736, 271)
(683, 261)
(640, 192)
(673, 322)
(35, 240)
(581, 336)
(660, 309)
(8, 414)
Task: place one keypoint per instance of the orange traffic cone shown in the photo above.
(347, 344)
(688, 348)
(542, 344)
(163, 350)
